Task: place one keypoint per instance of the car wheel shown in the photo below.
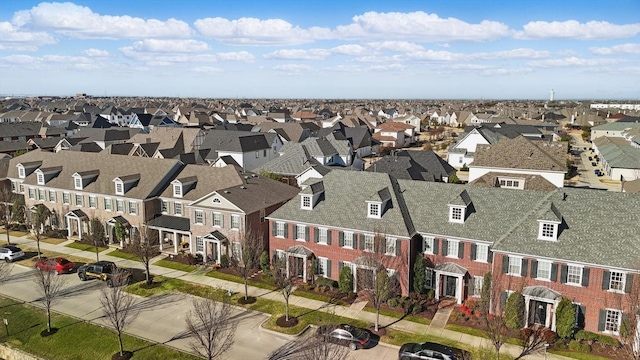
(109, 283)
(353, 346)
(405, 358)
(82, 276)
(58, 272)
(7, 260)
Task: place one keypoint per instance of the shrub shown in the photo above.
(565, 318)
(394, 301)
(586, 335)
(453, 179)
(608, 341)
(224, 261)
(514, 311)
(575, 345)
(420, 275)
(326, 282)
(431, 294)
(264, 261)
(345, 282)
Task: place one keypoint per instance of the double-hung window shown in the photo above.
(452, 248)
(369, 242)
(612, 321)
(52, 196)
(165, 206)
(177, 208)
(302, 232)
(133, 208)
(617, 281)
(427, 244)
(235, 221)
(574, 275)
(482, 252)
(280, 229)
(515, 265)
(217, 219)
(322, 266)
(199, 217)
(32, 193)
(79, 199)
(348, 239)
(119, 205)
(478, 281)
(199, 244)
(544, 270)
(108, 206)
(41, 194)
(66, 198)
(93, 201)
(322, 236)
(390, 246)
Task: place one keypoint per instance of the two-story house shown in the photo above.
(247, 150)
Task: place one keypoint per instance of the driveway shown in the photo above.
(161, 318)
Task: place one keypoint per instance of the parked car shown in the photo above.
(58, 265)
(345, 334)
(11, 253)
(590, 158)
(106, 271)
(593, 163)
(597, 172)
(430, 351)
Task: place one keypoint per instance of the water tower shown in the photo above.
(551, 95)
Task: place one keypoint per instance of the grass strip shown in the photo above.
(123, 255)
(398, 315)
(85, 247)
(174, 265)
(237, 279)
(75, 339)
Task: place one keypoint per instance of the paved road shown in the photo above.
(161, 318)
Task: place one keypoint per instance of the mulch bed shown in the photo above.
(126, 355)
(329, 292)
(187, 259)
(248, 300)
(282, 322)
(45, 333)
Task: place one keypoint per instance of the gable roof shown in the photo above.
(522, 153)
(237, 141)
(414, 165)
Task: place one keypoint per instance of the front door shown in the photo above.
(365, 279)
(450, 285)
(298, 266)
(538, 313)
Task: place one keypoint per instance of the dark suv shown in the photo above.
(105, 271)
(344, 334)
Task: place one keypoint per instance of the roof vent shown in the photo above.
(243, 187)
(227, 192)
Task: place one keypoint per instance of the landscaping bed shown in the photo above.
(416, 308)
(175, 265)
(325, 293)
(74, 339)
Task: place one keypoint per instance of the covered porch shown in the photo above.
(540, 306)
(364, 270)
(77, 224)
(111, 226)
(298, 259)
(174, 233)
(449, 282)
(212, 246)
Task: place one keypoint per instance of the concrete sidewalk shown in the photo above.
(403, 325)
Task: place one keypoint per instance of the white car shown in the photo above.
(10, 253)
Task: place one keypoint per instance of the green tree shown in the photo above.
(264, 261)
(485, 294)
(270, 175)
(420, 275)
(119, 232)
(345, 282)
(514, 311)
(18, 210)
(453, 179)
(565, 318)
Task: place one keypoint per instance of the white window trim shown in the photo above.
(135, 206)
(349, 233)
(321, 232)
(39, 177)
(68, 195)
(213, 221)
(323, 264)
(538, 270)
(53, 198)
(462, 214)
(371, 206)
(162, 205)
(579, 283)
(373, 242)
(455, 255)
(21, 171)
(486, 257)
(177, 189)
(120, 201)
(386, 246)
(280, 254)
(477, 279)
(195, 217)
(181, 212)
(77, 179)
(302, 200)
(300, 228)
(541, 225)
(519, 274)
(108, 201)
(121, 183)
(624, 281)
(235, 216)
(280, 229)
(95, 202)
(430, 240)
(616, 333)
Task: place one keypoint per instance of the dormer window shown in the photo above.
(21, 172)
(77, 182)
(548, 231)
(306, 202)
(119, 188)
(40, 178)
(177, 190)
(374, 210)
(456, 214)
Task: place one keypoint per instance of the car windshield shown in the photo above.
(358, 333)
(63, 261)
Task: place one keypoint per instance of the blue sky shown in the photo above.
(322, 49)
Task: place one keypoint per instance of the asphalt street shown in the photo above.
(161, 318)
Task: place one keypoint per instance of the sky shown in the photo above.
(446, 49)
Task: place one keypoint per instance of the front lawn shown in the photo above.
(74, 339)
(398, 315)
(123, 255)
(85, 247)
(237, 279)
(176, 265)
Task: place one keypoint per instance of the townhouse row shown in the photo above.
(576, 243)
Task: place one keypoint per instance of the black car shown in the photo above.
(593, 163)
(345, 334)
(430, 351)
(106, 271)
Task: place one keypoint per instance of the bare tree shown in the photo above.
(246, 256)
(97, 235)
(310, 347)
(284, 282)
(375, 281)
(118, 305)
(36, 218)
(211, 327)
(534, 340)
(144, 248)
(49, 286)
(6, 202)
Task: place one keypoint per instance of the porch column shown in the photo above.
(69, 227)
(459, 288)
(192, 247)
(553, 318)
(79, 229)
(354, 273)
(437, 292)
(304, 269)
(175, 242)
(160, 239)
(527, 306)
(287, 264)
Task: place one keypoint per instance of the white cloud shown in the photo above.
(252, 31)
(503, 71)
(207, 70)
(81, 22)
(378, 59)
(52, 61)
(243, 56)
(165, 59)
(21, 59)
(572, 29)
(299, 54)
(420, 26)
(572, 61)
(95, 53)
(399, 46)
(350, 49)
(170, 45)
(521, 53)
(14, 38)
(390, 67)
(293, 68)
(617, 49)
(431, 55)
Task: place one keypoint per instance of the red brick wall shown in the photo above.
(338, 254)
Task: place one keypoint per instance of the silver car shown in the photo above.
(10, 253)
